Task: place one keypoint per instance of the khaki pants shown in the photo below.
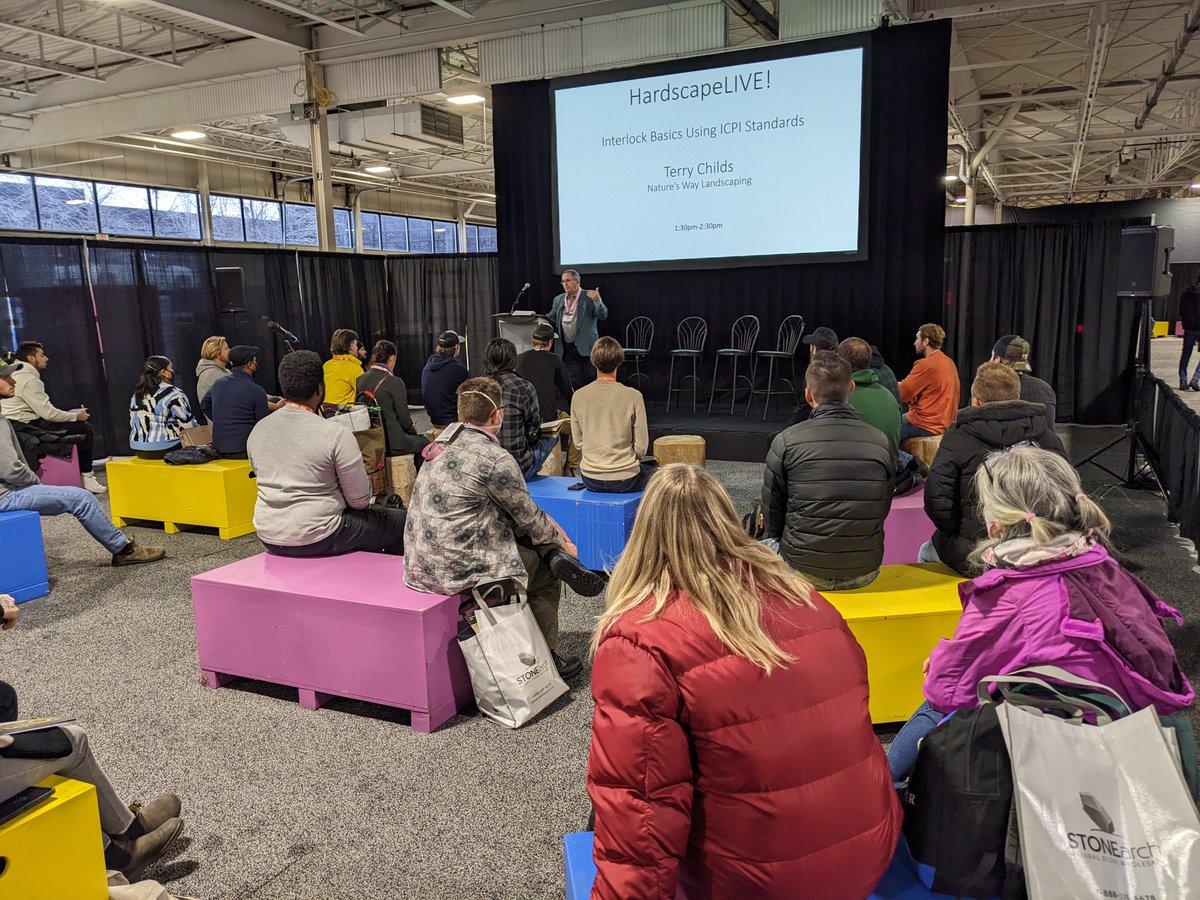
(573, 454)
(433, 432)
(544, 591)
(402, 472)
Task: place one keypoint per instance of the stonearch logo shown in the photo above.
(1107, 845)
(527, 659)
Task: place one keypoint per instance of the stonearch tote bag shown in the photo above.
(1103, 809)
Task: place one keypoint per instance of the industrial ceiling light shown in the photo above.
(462, 99)
(377, 170)
(189, 134)
(1195, 187)
(950, 176)
(960, 199)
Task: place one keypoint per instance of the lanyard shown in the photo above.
(307, 409)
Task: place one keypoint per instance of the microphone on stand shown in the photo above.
(520, 294)
(283, 332)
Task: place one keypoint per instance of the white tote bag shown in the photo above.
(1103, 809)
(512, 672)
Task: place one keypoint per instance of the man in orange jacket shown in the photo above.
(931, 389)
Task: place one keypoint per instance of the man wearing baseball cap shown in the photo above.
(545, 370)
(1013, 351)
(20, 489)
(440, 378)
(236, 403)
(820, 339)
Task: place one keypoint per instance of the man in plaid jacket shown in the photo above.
(521, 434)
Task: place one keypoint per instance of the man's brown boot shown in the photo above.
(135, 553)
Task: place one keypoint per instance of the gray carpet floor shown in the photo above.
(347, 801)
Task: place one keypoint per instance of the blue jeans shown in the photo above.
(624, 486)
(928, 553)
(909, 430)
(541, 450)
(1190, 340)
(902, 755)
(50, 500)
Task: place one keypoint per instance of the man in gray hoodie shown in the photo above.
(214, 359)
(20, 489)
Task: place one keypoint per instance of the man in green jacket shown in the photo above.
(872, 401)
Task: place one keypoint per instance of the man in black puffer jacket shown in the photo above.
(996, 420)
(827, 486)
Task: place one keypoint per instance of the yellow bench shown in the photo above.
(897, 619)
(218, 494)
(55, 850)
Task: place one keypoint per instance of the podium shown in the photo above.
(517, 326)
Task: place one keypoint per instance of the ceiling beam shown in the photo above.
(244, 18)
(996, 7)
(446, 4)
(45, 65)
(1101, 34)
(764, 23)
(85, 42)
(311, 16)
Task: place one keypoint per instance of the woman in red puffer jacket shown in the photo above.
(732, 751)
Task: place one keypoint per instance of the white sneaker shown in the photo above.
(90, 483)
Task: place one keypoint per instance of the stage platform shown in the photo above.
(737, 438)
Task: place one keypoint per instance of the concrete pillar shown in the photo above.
(206, 226)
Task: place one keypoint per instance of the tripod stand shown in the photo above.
(1134, 476)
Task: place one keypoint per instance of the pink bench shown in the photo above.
(336, 626)
(906, 528)
(61, 472)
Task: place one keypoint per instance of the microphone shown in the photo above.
(283, 332)
(520, 294)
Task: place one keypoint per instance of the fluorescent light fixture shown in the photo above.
(189, 134)
(960, 199)
(1195, 187)
(465, 98)
(377, 170)
(951, 177)
(76, 201)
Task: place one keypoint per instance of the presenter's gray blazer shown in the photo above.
(587, 332)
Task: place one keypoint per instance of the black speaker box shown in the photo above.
(1144, 267)
(231, 289)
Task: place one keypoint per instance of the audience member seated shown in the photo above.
(820, 339)
(732, 752)
(828, 485)
(440, 378)
(20, 489)
(391, 396)
(342, 371)
(886, 376)
(132, 840)
(873, 402)
(313, 491)
(608, 425)
(158, 412)
(213, 365)
(236, 404)
(996, 419)
(1013, 351)
(471, 521)
(29, 408)
(931, 389)
(1051, 594)
(521, 433)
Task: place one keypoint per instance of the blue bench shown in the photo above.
(900, 882)
(598, 523)
(22, 556)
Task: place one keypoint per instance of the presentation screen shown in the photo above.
(712, 165)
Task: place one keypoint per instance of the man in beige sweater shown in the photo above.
(608, 424)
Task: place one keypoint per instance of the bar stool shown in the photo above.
(786, 342)
(639, 336)
(742, 338)
(690, 336)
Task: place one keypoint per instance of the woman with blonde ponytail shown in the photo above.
(732, 750)
(1051, 594)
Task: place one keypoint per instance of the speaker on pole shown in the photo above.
(1144, 269)
(231, 289)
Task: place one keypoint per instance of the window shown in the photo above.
(370, 237)
(17, 208)
(176, 214)
(66, 205)
(227, 218)
(263, 221)
(445, 237)
(472, 238)
(487, 239)
(420, 236)
(301, 225)
(124, 209)
(343, 229)
(394, 231)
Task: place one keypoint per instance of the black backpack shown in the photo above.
(959, 815)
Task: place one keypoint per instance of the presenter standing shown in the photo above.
(575, 315)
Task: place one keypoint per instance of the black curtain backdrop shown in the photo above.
(102, 307)
(883, 299)
(1056, 286)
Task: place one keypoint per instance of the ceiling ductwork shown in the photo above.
(383, 129)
